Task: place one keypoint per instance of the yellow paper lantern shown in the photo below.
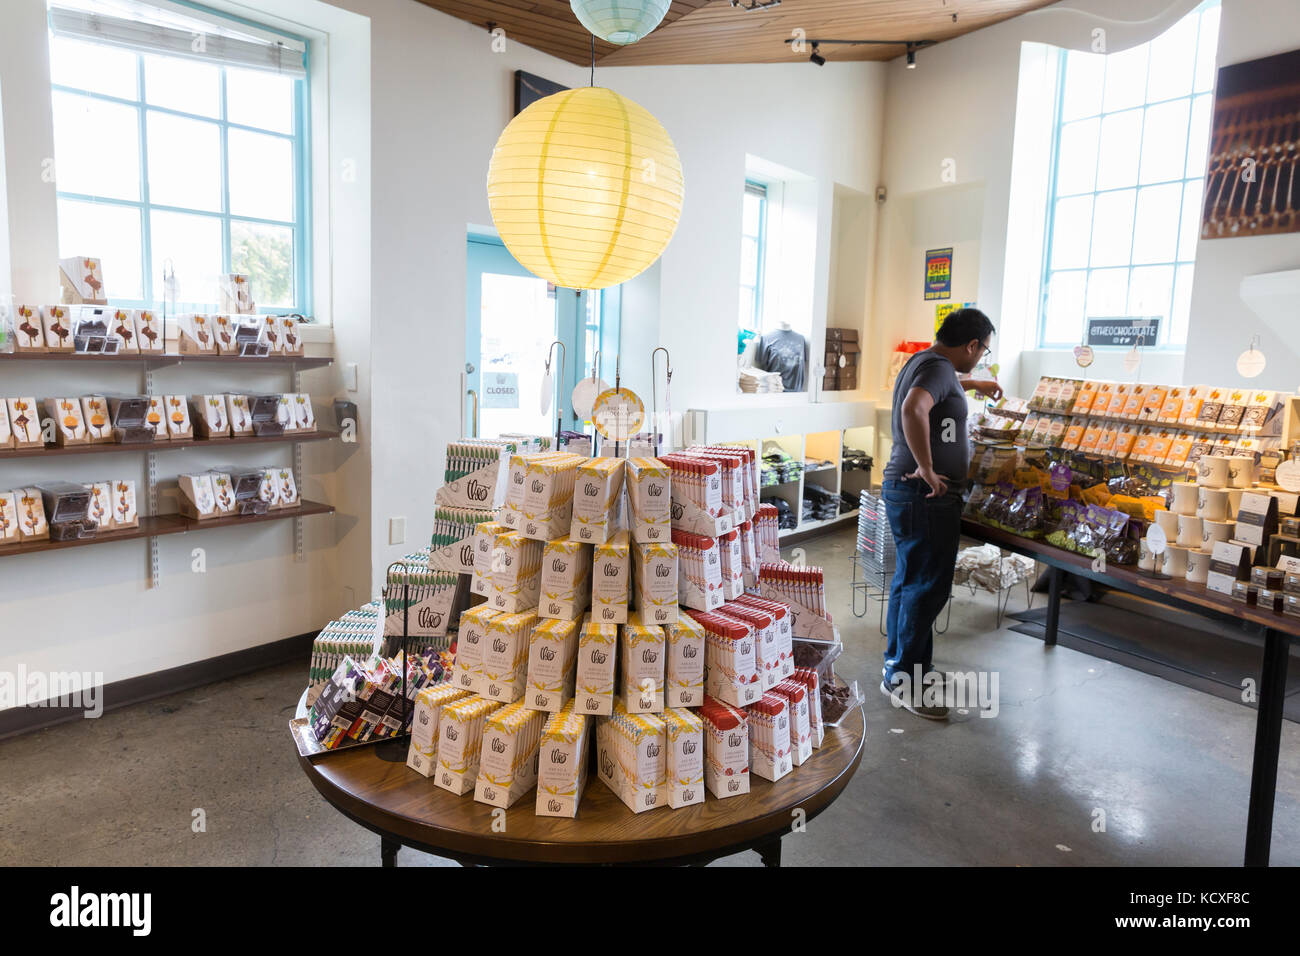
(585, 188)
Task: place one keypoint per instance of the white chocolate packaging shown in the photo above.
(654, 578)
(422, 754)
(641, 653)
(9, 523)
(508, 765)
(597, 655)
(69, 423)
(101, 504)
(198, 497)
(467, 669)
(505, 656)
(149, 331)
(210, 416)
(155, 418)
(597, 495)
(32, 525)
(122, 327)
(460, 742)
(241, 422)
(25, 422)
(562, 763)
(683, 663)
(6, 432)
(684, 747)
(649, 499)
(58, 328)
(611, 580)
(29, 332)
(177, 410)
(196, 334)
(552, 665)
(565, 579)
(223, 493)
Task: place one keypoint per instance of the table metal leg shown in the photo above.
(770, 852)
(1268, 740)
(388, 851)
(1054, 576)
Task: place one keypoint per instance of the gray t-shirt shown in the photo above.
(934, 373)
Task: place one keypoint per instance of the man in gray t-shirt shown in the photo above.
(926, 469)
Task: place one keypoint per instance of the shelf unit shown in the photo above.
(154, 525)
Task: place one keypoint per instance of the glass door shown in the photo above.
(511, 319)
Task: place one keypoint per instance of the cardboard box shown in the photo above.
(69, 422)
(196, 336)
(235, 295)
(155, 418)
(303, 414)
(467, 669)
(684, 663)
(177, 410)
(149, 331)
(641, 652)
(286, 488)
(81, 280)
(122, 328)
(565, 579)
(9, 518)
(508, 765)
(460, 742)
(649, 499)
(552, 665)
(726, 749)
(25, 422)
(597, 496)
(631, 758)
(769, 737)
(611, 580)
(57, 324)
(597, 656)
(505, 655)
(223, 493)
(101, 504)
(125, 513)
(32, 525)
(29, 332)
(6, 430)
(654, 578)
(210, 418)
(241, 422)
(562, 763)
(422, 754)
(684, 748)
(198, 498)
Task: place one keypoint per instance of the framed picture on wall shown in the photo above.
(1252, 183)
(529, 88)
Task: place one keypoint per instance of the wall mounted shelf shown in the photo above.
(164, 359)
(156, 526)
(54, 451)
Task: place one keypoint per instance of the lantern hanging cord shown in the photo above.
(593, 60)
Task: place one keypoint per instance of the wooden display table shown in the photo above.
(373, 786)
(1278, 631)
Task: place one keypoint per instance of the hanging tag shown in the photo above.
(1157, 540)
(547, 388)
(1133, 360)
(584, 396)
(1251, 363)
(1083, 355)
(1287, 476)
(169, 287)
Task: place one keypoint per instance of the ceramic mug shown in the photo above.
(1241, 471)
(1189, 531)
(1213, 504)
(1174, 561)
(1184, 498)
(1212, 471)
(1198, 566)
(1234, 502)
(1213, 532)
(1168, 522)
(1146, 557)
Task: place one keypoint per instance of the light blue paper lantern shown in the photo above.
(620, 21)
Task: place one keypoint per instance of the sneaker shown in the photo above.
(898, 699)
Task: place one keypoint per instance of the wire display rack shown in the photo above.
(873, 561)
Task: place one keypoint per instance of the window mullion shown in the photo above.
(225, 179)
(146, 217)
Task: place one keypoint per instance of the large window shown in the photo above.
(173, 153)
(753, 248)
(1128, 167)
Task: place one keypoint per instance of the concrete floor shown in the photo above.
(1087, 763)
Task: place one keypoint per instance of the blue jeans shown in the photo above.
(926, 533)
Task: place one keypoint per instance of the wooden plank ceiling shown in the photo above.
(713, 31)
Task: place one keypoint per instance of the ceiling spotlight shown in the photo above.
(911, 57)
(817, 57)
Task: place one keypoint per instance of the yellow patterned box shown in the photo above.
(630, 757)
(485, 537)
(593, 692)
(566, 579)
(649, 499)
(516, 572)
(562, 763)
(460, 742)
(610, 580)
(684, 757)
(654, 581)
(422, 754)
(552, 660)
(541, 505)
(641, 652)
(467, 669)
(508, 766)
(597, 495)
(684, 663)
(505, 656)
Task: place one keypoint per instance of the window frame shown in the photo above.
(1175, 264)
(753, 186)
(299, 139)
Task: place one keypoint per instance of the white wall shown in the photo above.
(960, 104)
(91, 609)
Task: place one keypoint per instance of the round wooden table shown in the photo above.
(373, 787)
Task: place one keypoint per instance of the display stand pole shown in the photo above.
(595, 433)
(559, 415)
(618, 383)
(654, 392)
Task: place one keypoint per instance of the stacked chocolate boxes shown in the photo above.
(842, 351)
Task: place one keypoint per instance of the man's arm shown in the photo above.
(916, 431)
(988, 387)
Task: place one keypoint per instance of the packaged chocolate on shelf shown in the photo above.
(641, 655)
(508, 765)
(597, 657)
(597, 497)
(649, 499)
(565, 579)
(654, 581)
(684, 762)
(684, 663)
(552, 665)
(460, 745)
(562, 763)
(726, 748)
(422, 752)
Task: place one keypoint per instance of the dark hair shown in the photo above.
(963, 326)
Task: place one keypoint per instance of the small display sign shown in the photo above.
(938, 273)
(1124, 330)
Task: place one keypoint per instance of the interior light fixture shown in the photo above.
(756, 4)
(911, 46)
(817, 57)
(911, 57)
